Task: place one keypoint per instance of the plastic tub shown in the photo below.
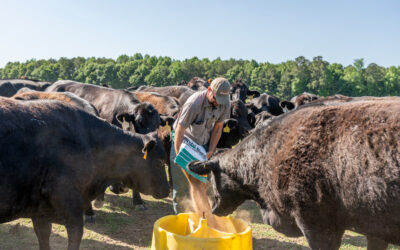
(186, 231)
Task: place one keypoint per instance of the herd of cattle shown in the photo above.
(316, 166)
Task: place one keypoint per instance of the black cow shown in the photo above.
(266, 102)
(235, 128)
(10, 87)
(182, 93)
(55, 159)
(240, 91)
(317, 172)
(118, 107)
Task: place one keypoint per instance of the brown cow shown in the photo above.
(165, 105)
(60, 96)
(182, 93)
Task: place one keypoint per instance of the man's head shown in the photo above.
(218, 92)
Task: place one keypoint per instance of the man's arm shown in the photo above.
(179, 133)
(215, 136)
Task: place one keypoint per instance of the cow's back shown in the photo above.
(39, 139)
(346, 156)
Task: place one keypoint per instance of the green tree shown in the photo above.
(318, 83)
(392, 81)
(301, 72)
(375, 80)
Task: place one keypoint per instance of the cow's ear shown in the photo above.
(286, 105)
(231, 123)
(148, 145)
(166, 120)
(201, 167)
(254, 93)
(126, 121)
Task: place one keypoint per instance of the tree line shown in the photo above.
(283, 80)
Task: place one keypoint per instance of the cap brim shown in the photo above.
(222, 99)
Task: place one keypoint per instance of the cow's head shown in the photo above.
(143, 118)
(262, 118)
(240, 112)
(147, 172)
(238, 125)
(286, 105)
(197, 84)
(225, 193)
(240, 91)
(283, 224)
(146, 119)
(304, 99)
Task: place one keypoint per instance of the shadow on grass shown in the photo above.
(23, 237)
(120, 221)
(358, 241)
(275, 244)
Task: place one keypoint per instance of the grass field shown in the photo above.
(120, 227)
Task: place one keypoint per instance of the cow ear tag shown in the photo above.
(249, 98)
(145, 154)
(227, 129)
(167, 128)
(125, 124)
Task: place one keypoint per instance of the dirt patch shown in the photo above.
(121, 227)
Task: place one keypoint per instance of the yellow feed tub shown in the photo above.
(186, 231)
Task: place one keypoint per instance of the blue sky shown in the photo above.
(266, 31)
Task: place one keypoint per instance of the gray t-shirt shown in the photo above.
(198, 116)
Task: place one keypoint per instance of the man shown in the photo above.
(201, 119)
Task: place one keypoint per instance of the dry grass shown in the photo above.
(120, 227)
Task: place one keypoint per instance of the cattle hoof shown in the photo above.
(98, 204)
(141, 207)
(90, 219)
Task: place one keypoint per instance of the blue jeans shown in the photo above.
(180, 184)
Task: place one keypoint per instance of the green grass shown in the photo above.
(120, 227)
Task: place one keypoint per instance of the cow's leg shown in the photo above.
(90, 216)
(99, 201)
(42, 228)
(376, 244)
(137, 201)
(75, 232)
(68, 204)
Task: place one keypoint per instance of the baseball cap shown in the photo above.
(220, 88)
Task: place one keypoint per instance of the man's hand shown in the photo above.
(209, 154)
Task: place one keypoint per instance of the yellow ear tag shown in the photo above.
(251, 97)
(145, 154)
(167, 128)
(125, 124)
(227, 129)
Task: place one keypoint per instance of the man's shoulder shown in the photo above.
(197, 98)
